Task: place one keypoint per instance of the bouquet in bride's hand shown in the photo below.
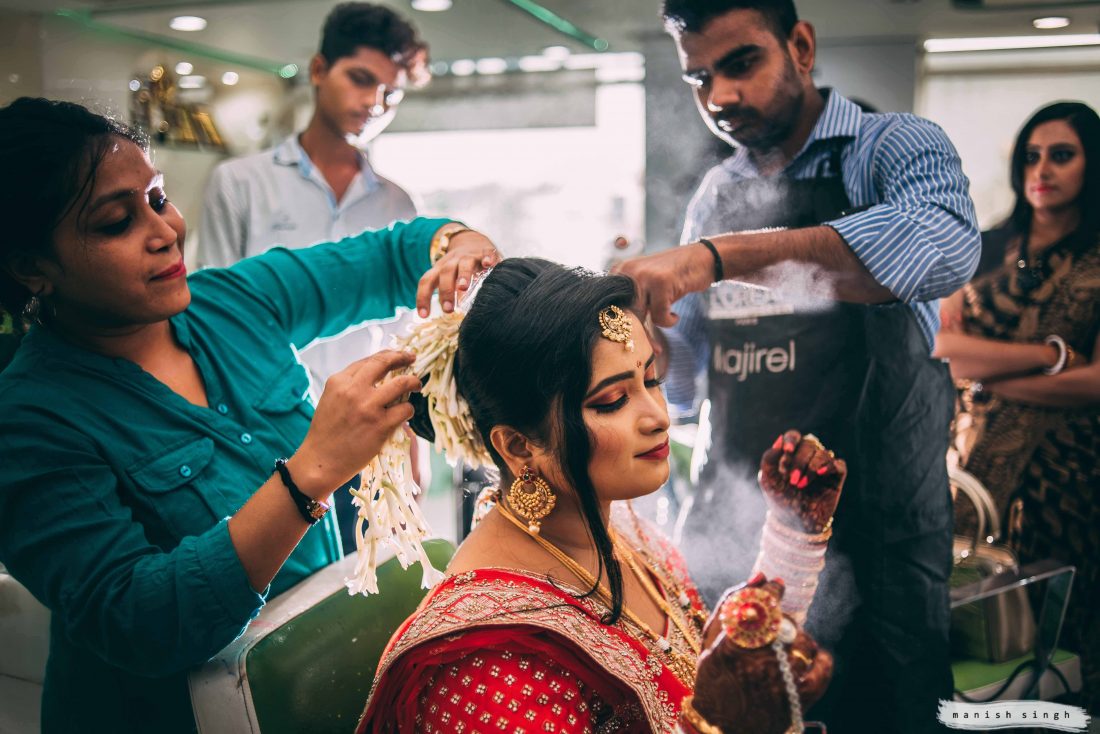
(802, 481)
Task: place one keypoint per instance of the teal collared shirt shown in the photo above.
(115, 492)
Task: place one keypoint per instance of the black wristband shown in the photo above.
(311, 510)
(719, 273)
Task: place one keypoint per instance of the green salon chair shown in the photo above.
(306, 663)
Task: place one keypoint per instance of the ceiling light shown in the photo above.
(1004, 43)
(230, 78)
(1051, 22)
(193, 81)
(134, 85)
(187, 23)
(289, 71)
(583, 61)
(438, 68)
(555, 52)
(538, 63)
(463, 67)
(491, 65)
(184, 68)
(431, 6)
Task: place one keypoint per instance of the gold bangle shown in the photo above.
(441, 240)
(695, 719)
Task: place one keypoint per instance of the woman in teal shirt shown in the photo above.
(144, 411)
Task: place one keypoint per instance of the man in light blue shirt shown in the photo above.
(319, 186)
(824, 326)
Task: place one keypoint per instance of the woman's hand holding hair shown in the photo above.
(467, 254)
(740, 689)
(359, 410)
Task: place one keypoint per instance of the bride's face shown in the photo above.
(626, 416)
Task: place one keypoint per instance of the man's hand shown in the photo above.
(666, 277)
(469, 253)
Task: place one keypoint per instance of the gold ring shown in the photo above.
(799, 655)
(751, 617)
(811, 438)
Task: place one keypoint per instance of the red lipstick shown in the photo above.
(657, 453)
(175, 271)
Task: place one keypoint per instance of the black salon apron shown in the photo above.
(861, 379)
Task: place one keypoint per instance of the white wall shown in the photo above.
(20, 43)
(880, 73)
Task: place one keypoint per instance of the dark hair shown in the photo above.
(351, 25)
(691, 16)
(525, 360)
(49, 154)
(1084, 120)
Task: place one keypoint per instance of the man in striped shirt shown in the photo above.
(825, 326)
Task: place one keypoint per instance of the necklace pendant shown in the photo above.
(685, 602)
(664, 644)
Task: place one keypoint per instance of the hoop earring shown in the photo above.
(532, 499)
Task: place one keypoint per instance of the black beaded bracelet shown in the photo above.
(719, 273)
(311, 510)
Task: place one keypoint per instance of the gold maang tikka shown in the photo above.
(617, 327)
(531, 498)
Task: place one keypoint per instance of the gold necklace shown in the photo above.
(667, 581)
(655, 595)
(681, 665)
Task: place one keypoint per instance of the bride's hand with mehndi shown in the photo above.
(739, 685)
(465, 254)
(802, 481)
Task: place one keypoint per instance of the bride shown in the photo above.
(565, 612)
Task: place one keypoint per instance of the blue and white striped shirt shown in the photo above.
(918, 235)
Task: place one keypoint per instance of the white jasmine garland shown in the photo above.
(388, 512)
(435, 343)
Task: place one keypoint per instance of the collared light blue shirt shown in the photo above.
(279, 198)
(916, 230)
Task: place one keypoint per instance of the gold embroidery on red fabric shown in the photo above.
(479, 602)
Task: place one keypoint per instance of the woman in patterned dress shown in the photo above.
(563, 611)
(1023, 338)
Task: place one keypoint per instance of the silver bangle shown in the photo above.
(1063, 354)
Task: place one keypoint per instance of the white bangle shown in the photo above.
(1063, 354)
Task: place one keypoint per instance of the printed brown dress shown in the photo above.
(1040, 463)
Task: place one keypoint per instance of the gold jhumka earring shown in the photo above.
(617, 327)
(532, 499)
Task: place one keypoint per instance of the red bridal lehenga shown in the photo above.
(504, 650)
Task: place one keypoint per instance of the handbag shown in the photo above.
(1000, 627)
